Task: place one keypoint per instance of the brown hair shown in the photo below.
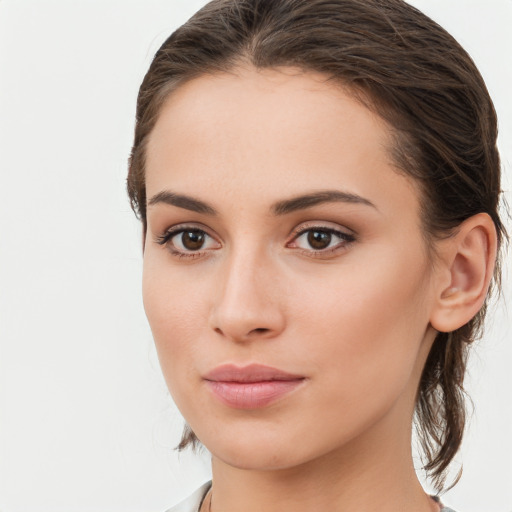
(409, 70)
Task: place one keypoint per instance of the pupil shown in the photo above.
(192, 240)
(319, 239)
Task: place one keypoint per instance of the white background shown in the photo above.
(86, 423)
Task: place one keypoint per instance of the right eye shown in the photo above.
(187, 241)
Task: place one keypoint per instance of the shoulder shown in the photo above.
(192, 503)
(443, 507)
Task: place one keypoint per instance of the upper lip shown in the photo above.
(249, 373)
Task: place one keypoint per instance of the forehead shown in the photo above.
(276, 132)
(287, 105)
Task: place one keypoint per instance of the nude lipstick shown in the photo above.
(250, 387)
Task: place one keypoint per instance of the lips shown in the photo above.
(252, 386)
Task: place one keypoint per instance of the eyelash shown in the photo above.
(171, 233)
(346, 239)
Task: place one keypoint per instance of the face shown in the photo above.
(286, 279)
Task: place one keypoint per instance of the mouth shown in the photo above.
(251, 387)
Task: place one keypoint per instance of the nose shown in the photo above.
(249, 301)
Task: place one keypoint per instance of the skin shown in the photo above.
(353, 319)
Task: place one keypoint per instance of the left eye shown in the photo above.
(190, 240)
(187, 240)
(320, 239)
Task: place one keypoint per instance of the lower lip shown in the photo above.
(252, 395)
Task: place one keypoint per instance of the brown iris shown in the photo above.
(319, 239)
(192, 240)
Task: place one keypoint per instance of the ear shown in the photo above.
(144, 230)
(465, 271)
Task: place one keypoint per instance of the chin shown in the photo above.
(261, 448)
(258, 458)
(253, 451)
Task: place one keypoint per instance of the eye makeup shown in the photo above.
(313, 239)
(187, 241)
(316, 240)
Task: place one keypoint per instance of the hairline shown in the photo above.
(361, 95)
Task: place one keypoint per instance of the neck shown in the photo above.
(366, 475)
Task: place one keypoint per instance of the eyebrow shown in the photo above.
(182, 201)
(309, 200)
(283, 207)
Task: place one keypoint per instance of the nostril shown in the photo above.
(257, 331)
(260, 330)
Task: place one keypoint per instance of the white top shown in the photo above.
(193, 502)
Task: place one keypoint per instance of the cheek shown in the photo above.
(370, 319)
(176, 312)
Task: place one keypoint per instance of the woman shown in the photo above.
(318, 183)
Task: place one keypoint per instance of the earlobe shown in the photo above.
(466, 269)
